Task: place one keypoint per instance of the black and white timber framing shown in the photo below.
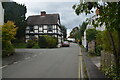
(44, 26)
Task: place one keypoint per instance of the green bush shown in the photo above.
(42, 42)
(7, 48)
(98, 50)
(51, 41)
(36, 46)
(19, 45)
(30, 43)
(91, 53)
(47, 41)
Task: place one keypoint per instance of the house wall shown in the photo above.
(43, 29)
(84, 41)
(1, 14)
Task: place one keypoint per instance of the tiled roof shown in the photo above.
(47, 19)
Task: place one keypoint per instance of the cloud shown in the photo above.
(67, 14)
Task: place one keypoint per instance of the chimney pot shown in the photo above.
(43, 13)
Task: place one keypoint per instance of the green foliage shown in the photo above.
(110, 72)
(98, 50)
(30, 43)
(64, 31)
(8, 33)
(73, 33)
(109, 17)
(47, 41)
(16, 12)
(99, 43)
(106, 42)
(36, 46)
(42, 42)
(7, 48)
(91, 53)
(19, 45)
(91, 34)
(78, 32)
(84, 7)
(52, 41)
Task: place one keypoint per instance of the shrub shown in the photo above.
(30, 43)
(47, 41)
(19, 45)
(51, 42)
(91, 34)
(91, 53)
(7, 48)
(98, 50)
(8, 34)
(42, 42)
(36, 46)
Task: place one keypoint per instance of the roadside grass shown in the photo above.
(36, 46)
(85, 71)
(23, 45)
(90, 55)
(19, 45)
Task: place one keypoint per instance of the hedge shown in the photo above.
(47, 41)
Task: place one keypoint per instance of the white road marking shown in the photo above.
(3, 66)
(80, 67)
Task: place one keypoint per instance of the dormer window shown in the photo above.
(50, 28)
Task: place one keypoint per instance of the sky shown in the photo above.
(63, 7)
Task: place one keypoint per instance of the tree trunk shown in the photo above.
(112, 42)
(116, 52)
(118, 55)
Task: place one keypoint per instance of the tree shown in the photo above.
(82, 29)
(74, 33)
(64, 31)
(108, 15)
(91, 34)
(78, 32)
(16, 12)
(8, 33)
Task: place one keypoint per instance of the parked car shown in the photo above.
(65, 44)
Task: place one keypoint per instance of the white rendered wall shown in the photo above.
(84, 41)
(1, 14)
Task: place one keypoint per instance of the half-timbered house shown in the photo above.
(44, 24)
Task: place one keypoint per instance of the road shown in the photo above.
(46, 63)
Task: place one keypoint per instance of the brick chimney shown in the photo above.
(43, 13)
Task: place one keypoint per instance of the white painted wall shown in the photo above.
(84, 41)
(1, 14)
(45, 31)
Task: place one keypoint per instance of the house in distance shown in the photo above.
(44, 24)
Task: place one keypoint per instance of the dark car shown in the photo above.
(65, 44)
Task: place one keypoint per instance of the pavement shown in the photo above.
(96, 61)
(43, 63)
(92, 67)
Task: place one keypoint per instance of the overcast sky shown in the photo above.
(64, 8)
